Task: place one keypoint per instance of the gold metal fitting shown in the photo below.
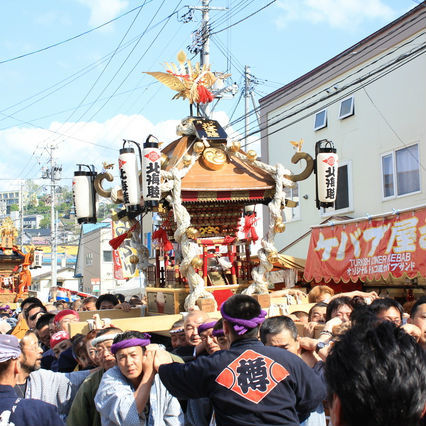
(186, 160)
(235, 146)
(252, 155)
(198, 147)
(273, 257)
(279, 227)
(192, 233)
(164, 160)
(197, 262)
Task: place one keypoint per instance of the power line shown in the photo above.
(389, 68)
(104, 69)
(58, 133)
(109, 61)
(124, 92)
(354, 58)
(241, 20)
(267, 103)
(140, 59)
(73, 77)
(71, 38)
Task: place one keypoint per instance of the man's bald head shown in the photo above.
(192, 321)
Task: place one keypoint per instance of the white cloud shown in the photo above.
(19, 143)
(104, 10)
(342, 14)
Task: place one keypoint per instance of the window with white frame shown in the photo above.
(343, 203)
(320, 120)
(346, 108)
(401, 172)
(291, 214)
(107, 254)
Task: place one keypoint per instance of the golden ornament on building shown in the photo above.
(279, 226)
(214, 158)
(192, 233)
(197, 262)
(235, 146)
(198, 147)
(164, 160)
(134, 259)
(187, 159)
(273, 257)
(252, 155)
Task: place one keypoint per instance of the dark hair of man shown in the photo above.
(90, 299)
(317, 305)
(31, 307)
(419, 302)
(384, 304)
(362, 315)
(30, 301)
(78, 344)
(108, 330)
(121, 298)
(336, 304)
(44, 320)
(106, 297)
(4, 366)
(91, 335)
(384, 376)
(178, 324)
(275, 325)
(243, 307)
(127, 335)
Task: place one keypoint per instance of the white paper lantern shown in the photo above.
(84, 196)
(327, 164)
(151, 173)
(129, 175)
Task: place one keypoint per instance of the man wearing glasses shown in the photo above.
(83, 410)
(58, 389)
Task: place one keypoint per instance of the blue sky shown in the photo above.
(89, 102)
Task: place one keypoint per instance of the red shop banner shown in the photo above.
(369, 250)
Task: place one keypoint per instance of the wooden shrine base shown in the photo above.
(10, 297)
(159, 324)
(171, 300)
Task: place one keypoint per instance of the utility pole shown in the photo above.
(21, 215)
(53, 173)
(205, 51)
(249, 82)
(205, 30)
(247, 93)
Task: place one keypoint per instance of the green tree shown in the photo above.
(14, 208)
(45, 222)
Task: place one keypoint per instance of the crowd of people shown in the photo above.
(350, 359)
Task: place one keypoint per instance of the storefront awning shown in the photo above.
(370, 249)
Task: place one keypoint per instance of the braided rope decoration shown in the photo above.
(260, 283)
(190, 249)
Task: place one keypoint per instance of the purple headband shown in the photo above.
(4, 308)
(241, 326)
(206, 326)
(176, 331)
(218, 333)
(129, 343)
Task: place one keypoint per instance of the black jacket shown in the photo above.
(249, 384)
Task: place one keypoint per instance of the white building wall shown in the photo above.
(93, 245)
(390, 113)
